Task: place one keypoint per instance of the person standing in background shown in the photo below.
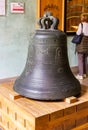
(82, 48)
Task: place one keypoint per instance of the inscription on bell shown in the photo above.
(43, 51)
(47, 41)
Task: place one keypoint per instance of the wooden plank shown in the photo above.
(69, 124)
(13, 110)
(9, 93)
(82, 127)
(40, 115)
(82, 120)
(52, 109)
(71, 99)
(83, 105)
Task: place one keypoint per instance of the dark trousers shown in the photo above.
(82, 63)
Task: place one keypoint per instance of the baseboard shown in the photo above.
(74, 69)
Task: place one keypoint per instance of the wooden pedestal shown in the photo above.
(20, 113)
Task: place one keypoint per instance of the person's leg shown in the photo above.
(85, 64)
(80, 64)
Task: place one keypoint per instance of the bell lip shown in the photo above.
(45, 96)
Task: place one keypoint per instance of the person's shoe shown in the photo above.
(79, 76)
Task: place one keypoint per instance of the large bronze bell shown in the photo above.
(47, 74)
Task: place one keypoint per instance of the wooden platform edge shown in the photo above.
(82, 127)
